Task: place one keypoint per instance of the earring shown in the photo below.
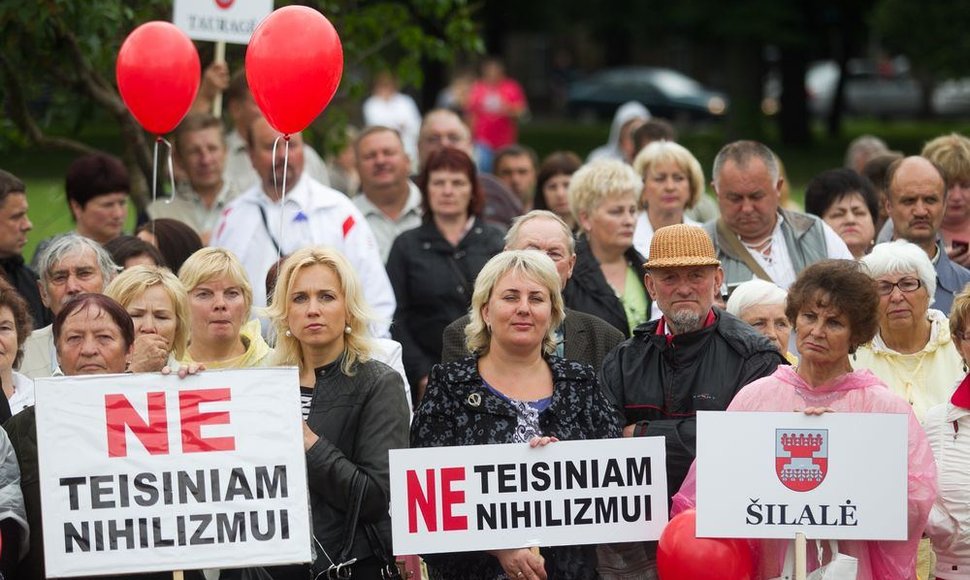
(288, 333)
(347, 329)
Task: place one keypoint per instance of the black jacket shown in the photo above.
(579, 411)
(24, 281)
(661, 385)
(589, 292)
(433, 283)
(358, 419)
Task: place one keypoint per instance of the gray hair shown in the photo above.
(752, 293)
(741, 152)
(530, 263)
(512, 235)
(902, 257)
(68, 245)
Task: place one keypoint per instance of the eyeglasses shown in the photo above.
(906, 285)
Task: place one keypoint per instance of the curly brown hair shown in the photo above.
(844, 286)
(21, 317)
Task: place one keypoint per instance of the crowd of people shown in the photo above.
(455, 289)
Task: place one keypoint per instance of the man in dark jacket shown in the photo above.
(695, 358)
(14, 226)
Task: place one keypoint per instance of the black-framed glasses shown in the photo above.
(906, 285)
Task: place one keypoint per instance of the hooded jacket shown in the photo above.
(925, 378)
(856, 392)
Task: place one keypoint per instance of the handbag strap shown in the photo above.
(358, 486)
(389, 568)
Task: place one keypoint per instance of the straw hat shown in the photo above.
(681, 245)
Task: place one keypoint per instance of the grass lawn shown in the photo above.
(43, 171)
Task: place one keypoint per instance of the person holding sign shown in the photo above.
(832, 306)
(93, 335)
(514, 390)
(353, 407)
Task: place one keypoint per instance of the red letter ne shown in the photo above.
(120, 414)
(193, 420)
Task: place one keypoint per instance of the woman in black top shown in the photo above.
(354, 409)
(433, 267)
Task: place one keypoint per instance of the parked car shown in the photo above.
(883, 88)
(665, 92)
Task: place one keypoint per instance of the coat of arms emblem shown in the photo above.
(801, 457)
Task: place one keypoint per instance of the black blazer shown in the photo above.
(587, 339)
(589, 292)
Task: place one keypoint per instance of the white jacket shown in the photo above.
(312, 215)
(948, 430)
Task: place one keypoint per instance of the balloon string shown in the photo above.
(158, 139)
(171, 170)
(281, 193)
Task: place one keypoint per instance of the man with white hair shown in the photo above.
(69, 266)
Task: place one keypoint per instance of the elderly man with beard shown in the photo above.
(694, 358)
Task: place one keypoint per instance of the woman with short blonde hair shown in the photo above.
(529, 263)
(220, 299)
(156, 301)
(608, 277)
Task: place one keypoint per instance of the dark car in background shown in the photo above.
(665, 92)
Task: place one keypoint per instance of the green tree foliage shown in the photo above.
(57, 62)
(932, 34)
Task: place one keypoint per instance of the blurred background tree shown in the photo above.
(57, 65)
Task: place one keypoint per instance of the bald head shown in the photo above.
(915, 201)
(442, 128)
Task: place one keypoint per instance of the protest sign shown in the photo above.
(487, 497)
(839, 476)
(147, 472)
(220, 20)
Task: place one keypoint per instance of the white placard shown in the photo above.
(220, 20)
(487, 497)
(840, 476)
(142, 473)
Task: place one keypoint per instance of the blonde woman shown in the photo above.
(673, 182)
(221, 334)
(525, 395)
(157, 304)
(608, 277)
(354, 407)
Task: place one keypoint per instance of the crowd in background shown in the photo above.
(436, 283)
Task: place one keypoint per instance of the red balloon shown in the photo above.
(158, 74)
(293, 64)
(681, 555)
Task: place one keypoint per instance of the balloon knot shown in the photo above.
(286, 137)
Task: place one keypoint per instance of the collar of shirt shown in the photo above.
(662, 328)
